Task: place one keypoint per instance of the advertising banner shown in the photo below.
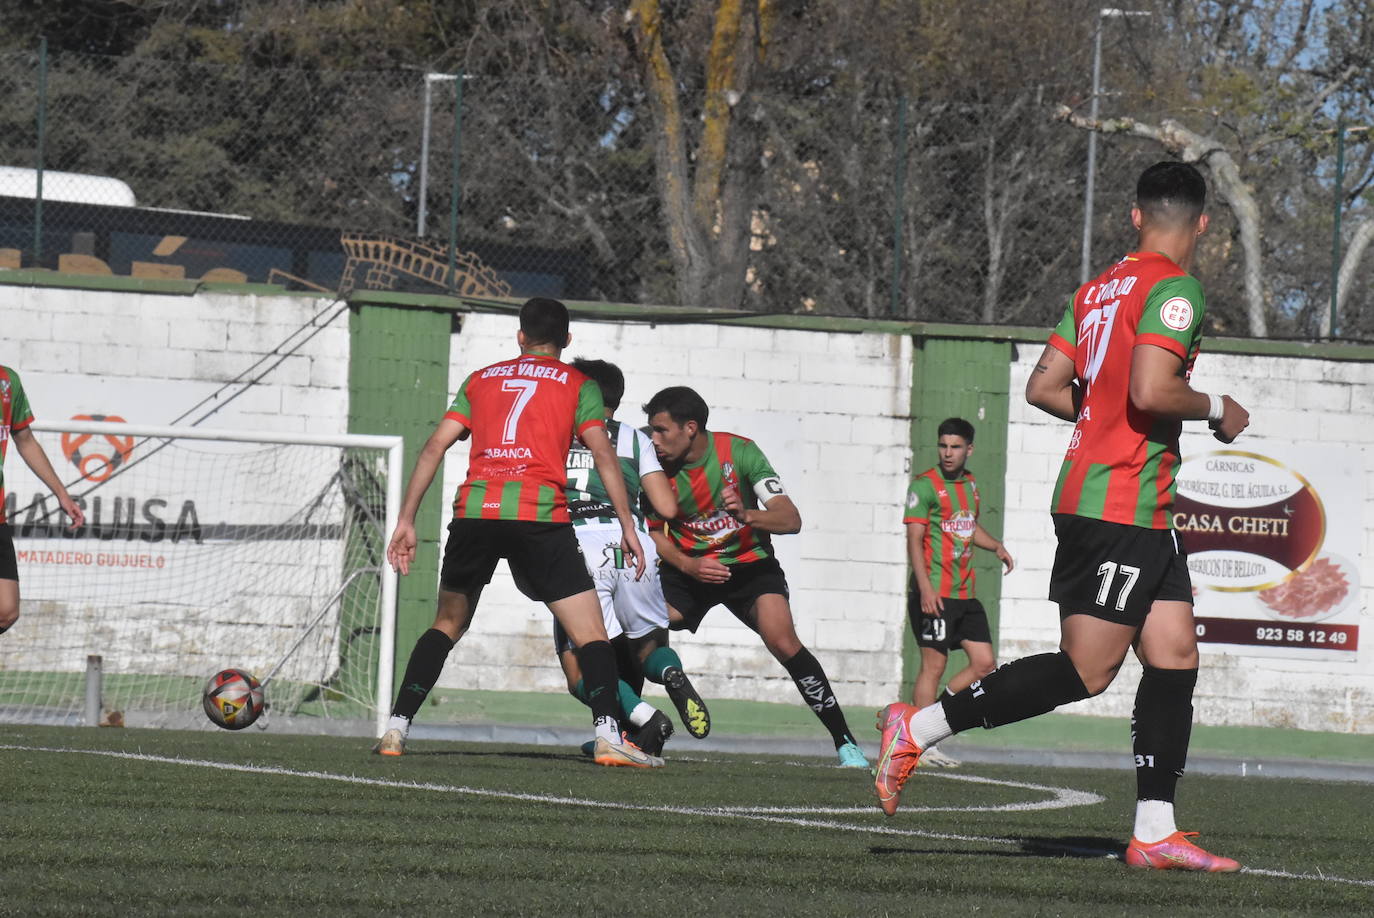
(1274, 537)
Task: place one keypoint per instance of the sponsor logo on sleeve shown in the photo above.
(1177, 313)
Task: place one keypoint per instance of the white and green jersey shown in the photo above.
(588, 503)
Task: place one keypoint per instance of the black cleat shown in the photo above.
(690, 707)
(654, 734)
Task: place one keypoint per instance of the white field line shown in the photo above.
(769, 815)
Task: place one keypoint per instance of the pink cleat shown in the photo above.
(898, 755)
(1177, 853)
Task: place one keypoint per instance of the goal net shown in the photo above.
(202, 550)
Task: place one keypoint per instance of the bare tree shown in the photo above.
(1193, 147)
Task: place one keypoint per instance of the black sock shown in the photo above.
(426, 663)
(597, 661)
(1160, 727)
(1015, 691)
(627, 662)
(806, 671)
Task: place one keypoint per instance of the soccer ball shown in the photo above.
(233, 699)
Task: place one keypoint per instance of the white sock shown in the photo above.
(399, 723)
(1154, 820)
(608, 728)
(642, 713)
(928, 725)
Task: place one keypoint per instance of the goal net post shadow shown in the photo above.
(204, 549)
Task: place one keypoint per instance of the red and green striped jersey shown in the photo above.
(1121, 461)
(702, 527)
(523, 414)
(15, 415)
(949, 510)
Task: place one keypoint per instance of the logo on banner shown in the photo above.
(1253, 525)
(97, 457)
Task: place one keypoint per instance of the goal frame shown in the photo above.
(392, 444)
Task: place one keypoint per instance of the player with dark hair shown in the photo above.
(522, 414)
(632, 607)
(15, 419)
(1117, 365)
(942, 528)
(719, 550)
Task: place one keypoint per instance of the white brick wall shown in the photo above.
(829, 410)
(1291, 401)
(821, 407)
(150, 358)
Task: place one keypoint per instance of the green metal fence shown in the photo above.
(951, 206)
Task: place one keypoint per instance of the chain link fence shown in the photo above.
(941, 208)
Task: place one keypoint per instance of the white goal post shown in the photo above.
(202, 550)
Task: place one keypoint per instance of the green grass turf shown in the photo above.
(1064, 732)
(91, 834)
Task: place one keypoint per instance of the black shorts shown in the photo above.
(9, 564)
(1114, 571)
(962, 620)
(544, 558)
(747, 583)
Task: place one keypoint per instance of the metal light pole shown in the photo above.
(430, 79)
(1104, 13)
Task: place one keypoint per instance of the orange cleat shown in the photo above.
(1177, 853)
(898, 755)
(393, 742)
(625, 753)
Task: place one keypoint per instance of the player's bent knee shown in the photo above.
(932, 668)
(9, 614)
(784, 649)
(1097, 682)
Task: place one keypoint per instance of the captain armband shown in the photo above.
(768, 489)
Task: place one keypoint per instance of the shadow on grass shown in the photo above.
(561, 755)
(1079, 846)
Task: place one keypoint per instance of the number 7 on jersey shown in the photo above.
(524, 389)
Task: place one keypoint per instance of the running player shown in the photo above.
(1117, 365)
(719, 550)
(15, 419)
(522, 415)
(942, 528)
(633, 608)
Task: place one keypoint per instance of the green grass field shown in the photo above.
(120, 822)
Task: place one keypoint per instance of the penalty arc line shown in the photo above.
(710, 812)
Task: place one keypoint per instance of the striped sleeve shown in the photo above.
(920, 497)
(644, 449)
(1172, 316)
(1064, 338)
(461, 409)
(591, 410)
(21, 415)
(753, 466)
